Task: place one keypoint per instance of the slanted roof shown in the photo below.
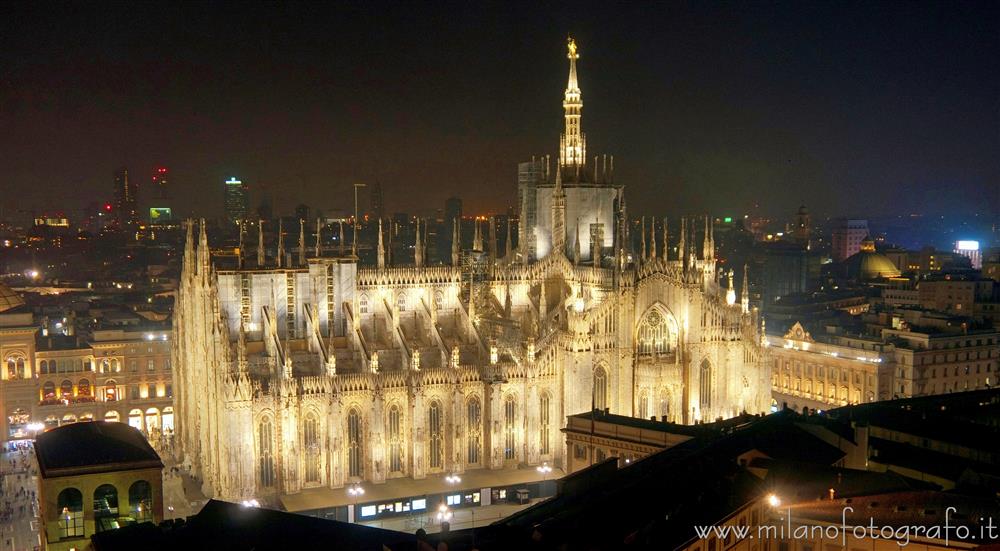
(93, 447)
(9, 299)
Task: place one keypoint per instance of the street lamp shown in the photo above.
(545, 469)
(453, 479)
(443, 514)
(355, 491)
(245, 503)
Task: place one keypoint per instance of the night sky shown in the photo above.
(859, 109)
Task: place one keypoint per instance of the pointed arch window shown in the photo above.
(600, 388)
(265, 453)
(311, 443)
(643, 412)
(544, 426)
(363, 304)
(475, 428)
(436, 440)
(705, 387)
(354, 440)
(510, 428)
(657, 333)
(395, 441)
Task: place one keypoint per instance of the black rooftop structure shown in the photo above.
(93, 447)
(224, 526)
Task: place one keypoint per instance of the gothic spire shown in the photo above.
(706, 247)
(189, 246)
(477, 239)
(302, 242)
(652, 238)
(203, 251)
(281, 243)
(493, 239)
(318, 251)
(745, 292)
(239, 249)
(454, 242)
(509, 245)
(666, 242)
(341, 223)
(682, 243)
(559, 215)
(381, 246)
(418, 251)
(642, 240)
(730, 289)
(261, 257)
(573, 146)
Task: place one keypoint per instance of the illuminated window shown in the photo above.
(265, 453)
(105, 508)
(657, 334)
(70, 506)
(436, 440)
(395, 441)
(354, 455)
(140, 501)
(509, 427)
(311, 440)
(643, 405)
(600, 388)
(543, 415)
(475, 429)
(705, 391)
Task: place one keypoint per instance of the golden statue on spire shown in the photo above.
(571, 45)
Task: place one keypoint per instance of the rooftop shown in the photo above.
(223, 525)
(93, 447)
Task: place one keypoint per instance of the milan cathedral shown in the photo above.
(311, 372)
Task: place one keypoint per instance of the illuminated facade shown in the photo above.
(115, 375)
(325, 373)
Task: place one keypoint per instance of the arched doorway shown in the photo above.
(112, 417)
(152, 421)
(135, 419)
(168, 420)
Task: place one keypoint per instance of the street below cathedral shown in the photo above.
(19, 524)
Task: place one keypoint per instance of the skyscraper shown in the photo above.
(377, 206)
(237, 200)
(126, 215)
(160, 210)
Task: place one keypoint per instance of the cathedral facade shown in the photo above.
(319, 372)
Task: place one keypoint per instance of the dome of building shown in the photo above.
(8, 298)
(868, 264)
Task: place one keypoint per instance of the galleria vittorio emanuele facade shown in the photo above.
(320, 372)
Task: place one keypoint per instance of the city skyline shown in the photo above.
(280, 106)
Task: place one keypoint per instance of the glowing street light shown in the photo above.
(250, 503)
(444, 513)
(545, 469)
(773, 500)
(453, 479)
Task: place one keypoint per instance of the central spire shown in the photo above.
(573, 143)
